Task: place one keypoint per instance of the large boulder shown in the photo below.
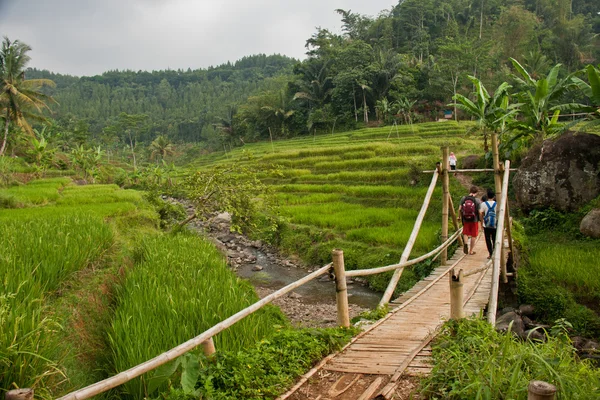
(561, 173)
(590, 224)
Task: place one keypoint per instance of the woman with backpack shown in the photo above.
(488, 210)
(471, 217)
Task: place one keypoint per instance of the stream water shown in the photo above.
(275, 276)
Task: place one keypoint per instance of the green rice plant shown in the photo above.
(98, 210)
(474, 361)
(572, 263)
(358, 177)
(397, 235)
(37, 256)
(303, 198)
(89, 194)
(180, 287)
(343, 216)
(37, 192)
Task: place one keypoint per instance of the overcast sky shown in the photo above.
(88, 37)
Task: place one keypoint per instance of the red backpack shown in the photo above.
(469, 209)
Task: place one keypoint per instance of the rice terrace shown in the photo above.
(410, 209)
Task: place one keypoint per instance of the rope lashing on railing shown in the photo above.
(125, 376)
(379, 270)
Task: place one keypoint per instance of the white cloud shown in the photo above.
(86, 37)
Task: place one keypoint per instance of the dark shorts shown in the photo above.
(453, 167)
(471, 229)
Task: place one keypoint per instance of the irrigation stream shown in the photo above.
(275, 276)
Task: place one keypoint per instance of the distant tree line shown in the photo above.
(407, 64)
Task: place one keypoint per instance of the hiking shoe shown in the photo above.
(466, 248)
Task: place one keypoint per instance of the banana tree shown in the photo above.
(592, 91)
(542, 102)
(492, 112)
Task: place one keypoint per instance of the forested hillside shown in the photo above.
(184, 105)
(405, 64)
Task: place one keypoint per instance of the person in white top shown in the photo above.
(488, 210)
(452, 161)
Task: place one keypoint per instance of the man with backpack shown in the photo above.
(471, 217)
(488, 210)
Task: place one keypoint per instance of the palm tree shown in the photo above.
(20, 99)
(161, 147)
(281, 112)
(491, 112)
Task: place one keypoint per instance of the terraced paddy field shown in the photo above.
(85, 291)
(359, 191)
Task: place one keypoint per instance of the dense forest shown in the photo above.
(405, 64)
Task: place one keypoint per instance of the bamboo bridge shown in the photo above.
(371, 365)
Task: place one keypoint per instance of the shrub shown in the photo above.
(473, 361)
(266, 369)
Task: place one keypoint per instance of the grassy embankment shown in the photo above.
(358, 191)
(91, 287)
(474, 361)
(560, 275)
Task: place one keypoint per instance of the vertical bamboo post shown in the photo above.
(498, 187)
(341, 290)
(445, 196)
(493, 303)
(456, 295)
(454, 218)
(208, 347)
(389, 291)
(540, 390)
(19, 394)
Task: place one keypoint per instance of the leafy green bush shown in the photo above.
(264, 371)
(473, 361)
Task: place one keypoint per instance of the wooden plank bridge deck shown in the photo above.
(398, 344)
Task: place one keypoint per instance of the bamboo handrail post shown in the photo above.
(497, 177)
(493, 303)
(456, 296)
(19, 394)
(540, 390)
(454, 218)
(341, 290)
(208, 347)
(445, 195)
(508, 227)
(389, 291)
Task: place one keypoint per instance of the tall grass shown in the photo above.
(37, 192)
(473, 361)
(574, 264)
(179, 288)
(37, 256)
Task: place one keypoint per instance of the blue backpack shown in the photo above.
(490, 215)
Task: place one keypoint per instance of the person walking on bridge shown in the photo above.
(471, 218)
(488, 210)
